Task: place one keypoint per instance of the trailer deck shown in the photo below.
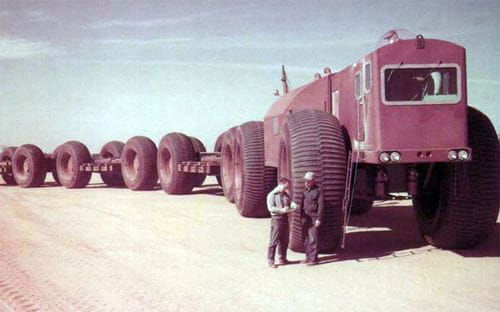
(102, 165)
(209, 164)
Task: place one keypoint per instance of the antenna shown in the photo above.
(284, 80)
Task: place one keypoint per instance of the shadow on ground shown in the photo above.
(210, 189)
(390, 231)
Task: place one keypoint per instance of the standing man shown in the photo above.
(311, 212)
(278, 204)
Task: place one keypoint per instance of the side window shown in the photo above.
(368, 76)
(335, 103)
(357, 85)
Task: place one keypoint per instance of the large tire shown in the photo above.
(175, 148)
(218, 148)
(459, 206)
(198, 146)
(54, 166)
(227, 163)
(313, 140)
(70, 156)
(139, 164)
(7, 155)
(112, 149)
(251, 176)
(29, 166)
(363, 188)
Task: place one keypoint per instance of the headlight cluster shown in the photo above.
(458, 155)
(392, 157)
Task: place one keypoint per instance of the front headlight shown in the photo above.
(452, 155)
(463, 155)
(384, 157)
(395, 156)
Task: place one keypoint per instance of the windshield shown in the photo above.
(423, 85)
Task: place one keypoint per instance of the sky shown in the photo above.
(97, 71)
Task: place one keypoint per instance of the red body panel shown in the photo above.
(420, 132)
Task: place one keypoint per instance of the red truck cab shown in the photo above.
(405, 102)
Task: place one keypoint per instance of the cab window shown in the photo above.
(357, 85)
(368, 76)
(422, 85)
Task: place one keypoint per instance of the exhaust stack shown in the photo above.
(284, 80)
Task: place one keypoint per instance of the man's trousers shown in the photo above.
(279, 237)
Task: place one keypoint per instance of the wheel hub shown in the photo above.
(26, 167)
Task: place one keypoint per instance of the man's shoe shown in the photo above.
(305, 261)
(312, 263)
(282, 262)
(272, 265)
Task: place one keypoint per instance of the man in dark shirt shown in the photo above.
(278, 204)
(311, 212)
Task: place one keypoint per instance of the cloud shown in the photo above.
(287, 44)
(147, 42)
(158, 22)
(21, 48)
(218, 43)
(226, 65)
(143, 24)
(37, 16)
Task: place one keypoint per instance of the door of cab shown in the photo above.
(360, 101)
(362, 86)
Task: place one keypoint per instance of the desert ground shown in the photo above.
(111, 249)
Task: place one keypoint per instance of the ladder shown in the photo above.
(347, 198)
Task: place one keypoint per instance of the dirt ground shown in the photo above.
(109, 249)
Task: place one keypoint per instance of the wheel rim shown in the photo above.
(228, 172)
(136, 164)
(166, 165)
(132, 165)
(238, 173)
(21, 168)
(70, 165)
(26, 167)
(67, 166)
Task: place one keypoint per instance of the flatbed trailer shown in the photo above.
(208, 164)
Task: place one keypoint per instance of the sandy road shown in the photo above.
(105, 249)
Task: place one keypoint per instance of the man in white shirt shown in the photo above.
(278, 204)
